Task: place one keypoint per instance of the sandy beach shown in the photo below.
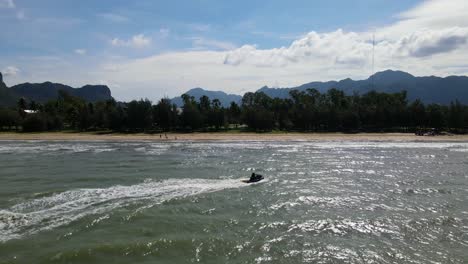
(226, 136)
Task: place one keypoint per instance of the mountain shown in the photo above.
(225, 98)
(7, 98)
(43, 92)
(429, 89)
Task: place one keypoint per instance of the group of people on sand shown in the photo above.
(165, 136)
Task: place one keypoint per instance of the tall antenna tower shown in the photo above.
(373, 59)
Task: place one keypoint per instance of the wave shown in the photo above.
(452, 146)
(152, 148)
(31, 148)
(60, 209)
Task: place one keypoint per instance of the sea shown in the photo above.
(185, 202)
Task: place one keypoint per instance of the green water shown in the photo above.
(184, 202)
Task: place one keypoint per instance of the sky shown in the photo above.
(157, 48)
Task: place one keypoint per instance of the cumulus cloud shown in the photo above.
(338, 46)
(10, 71)
(426, 40)
(430, 39)
(431, 14)
(80, 51)
(431, 28)
(430, 42)
(137, 41)
(315, 56)
(7, 4)
(350, 48)
(436, 13)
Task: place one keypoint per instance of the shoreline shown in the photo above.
(226, 136)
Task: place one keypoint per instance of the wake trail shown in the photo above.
(46, 213)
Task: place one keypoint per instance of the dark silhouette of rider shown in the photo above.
(252, 177)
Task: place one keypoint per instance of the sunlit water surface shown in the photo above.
(184, 202)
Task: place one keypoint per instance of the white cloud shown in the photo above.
(432, 14)
(339, 47)
(419, 43)
(7, 4)
(437, 13)
(114, 18)
(137, 41)
(431, 42)
(200, 43)
(430, 39)
(10, 71)
(435, 27)
(351, 48)
(80, 51)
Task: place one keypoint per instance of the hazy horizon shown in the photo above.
(148, 49)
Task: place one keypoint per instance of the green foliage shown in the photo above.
(9, 118)
(192, 118)
(35, 123)
(256, 112)
(139, 115)
(304, 111)
(165, 114)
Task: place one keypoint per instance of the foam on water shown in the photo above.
(152, 148)
(34, 148)
(60, 209)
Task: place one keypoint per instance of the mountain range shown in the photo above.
(223, 97)
(429, 89)
(43, 92)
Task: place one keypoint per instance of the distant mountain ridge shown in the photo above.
(223, 97)
(430, 89)
(43, 92)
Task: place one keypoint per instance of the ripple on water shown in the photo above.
(323, 202)
(343, 227)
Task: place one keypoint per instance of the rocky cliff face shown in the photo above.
(7, 98)
(43, 92)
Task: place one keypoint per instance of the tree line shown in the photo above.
(307, 110)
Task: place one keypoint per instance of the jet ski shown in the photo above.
(254, 178)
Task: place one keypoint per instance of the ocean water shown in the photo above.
(184, 202)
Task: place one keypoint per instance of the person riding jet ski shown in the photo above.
(255, 177)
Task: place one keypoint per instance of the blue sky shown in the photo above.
(156, 48)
